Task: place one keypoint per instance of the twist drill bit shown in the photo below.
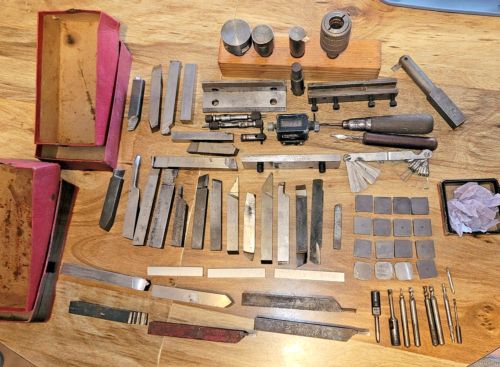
(435, 314)
(404, 319)
(414, 318)
(450, 280)
(430, 317)
(449, 318)
(393, 322)
(376, 310)
(458, 329)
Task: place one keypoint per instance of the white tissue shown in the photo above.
(473, 209)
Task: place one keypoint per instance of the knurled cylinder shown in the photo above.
(296, 37)
(335, 32)
(236, 36)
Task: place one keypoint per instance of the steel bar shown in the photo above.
(163, 207)
(232, 224)
(155, 97)
(311, 303)
(207, 148)
(316, 240)
(169, 104)
(337, 227)
(301, 237)
(249, 226)
(200, 213)
(195, 162)
(146, 207)
(132, 203)
(104, 276)
(111, 200)
(291, 161)
(188, 92)
(180, 218)
(217, 136)
(216, 216)
(283, 225)
(82, 308)
(266, 227)
(135, 105)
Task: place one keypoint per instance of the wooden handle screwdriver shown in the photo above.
(388, 140)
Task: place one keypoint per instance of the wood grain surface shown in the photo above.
(459, 52)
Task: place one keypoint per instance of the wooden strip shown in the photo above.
(361, 60)
(327, 276)
(175, 271)
(237, 273)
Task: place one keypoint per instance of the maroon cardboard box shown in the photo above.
(80, 137)
(35, 209)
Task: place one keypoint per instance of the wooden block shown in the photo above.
(328, 276)
(361, 60)
(237, 273)
(175, 271)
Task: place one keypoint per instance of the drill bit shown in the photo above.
(430, 317)
(404, 319)
(447, 309)
(414, 318)
(458, 329)
(435, 314)
(393, 322)
(375, 296)
(450, 280)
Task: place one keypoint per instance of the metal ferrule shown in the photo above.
(363, 124)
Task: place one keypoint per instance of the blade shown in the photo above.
(337, 227)
(283, 225)
(9, 358)
(108, 313)
(200, 213)
(316, 222)
(146, 207)
(180, 217)
(301, 237)
(163, 207)
(216, 216)
(111, 200)
(208, 333)
(266, 238)
(132, 202)
(313, 330)
(328, 304)
(104, 276)
(233, 208)
(249, 226)
(191, 296)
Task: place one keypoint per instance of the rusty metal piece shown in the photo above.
(309, 329)
(311, 303)
(208, 333)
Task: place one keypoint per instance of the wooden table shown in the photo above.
(459, 52)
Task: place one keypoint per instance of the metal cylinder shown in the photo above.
(296, 39)
(335, 32)
(263, 40)
(236, 36)
(297, 79)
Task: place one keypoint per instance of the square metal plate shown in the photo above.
(362, 248)
(362, 270)
(403, 248)
(363, 203)
(382, 227)
(404, 271)
(422, 227)
(401, 205)
(382, 205)
(402, 227)
(420, 206)
(384, 249)
(425, 249)
(384, 270)
(426, 269)
(362, 225)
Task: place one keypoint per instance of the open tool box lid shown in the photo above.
(96, 157)
(34, 209)
(77, 60)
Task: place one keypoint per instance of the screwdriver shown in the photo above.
(393, 322)
(375, 295)
(420, 123)
(392, 140)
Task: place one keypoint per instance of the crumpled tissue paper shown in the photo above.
(473, 209)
